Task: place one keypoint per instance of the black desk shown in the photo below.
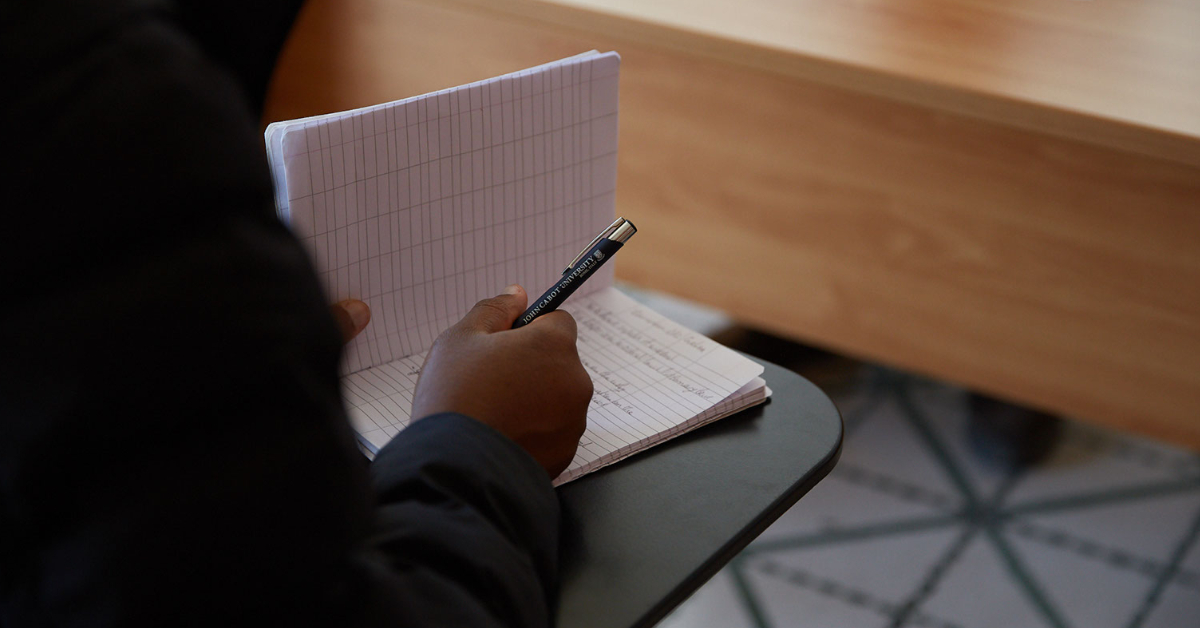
(640, 536)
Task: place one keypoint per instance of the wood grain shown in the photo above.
(1048, 270)
(1118, 73)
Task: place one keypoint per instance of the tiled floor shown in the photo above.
(914, 528)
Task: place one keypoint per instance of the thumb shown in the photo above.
(497, 313)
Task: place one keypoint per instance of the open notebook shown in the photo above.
(423, 206)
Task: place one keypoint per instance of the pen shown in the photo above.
(603, 247)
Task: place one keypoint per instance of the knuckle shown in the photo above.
(448, 334)
(491, 303)
(451, 336)
(560, 328)
(567, 323)
(439, 343)
(492, 307)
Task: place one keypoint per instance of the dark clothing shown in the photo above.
(173, 447)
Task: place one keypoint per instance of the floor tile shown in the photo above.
(838, 505)
(1090, 460)
(978, 591)
(802, 600)
(887, 446)
(716, 604)
(1133, 534)
(1179, 603)
(891, 565)
(913, 529)
(1082, 592)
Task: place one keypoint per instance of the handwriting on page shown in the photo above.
(653, 380)
(422, 207)
(652, 377)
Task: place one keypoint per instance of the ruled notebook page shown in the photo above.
(654, 380)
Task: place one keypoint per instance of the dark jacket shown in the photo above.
(173, 447)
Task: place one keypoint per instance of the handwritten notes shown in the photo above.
(654, 380)
(423, 206)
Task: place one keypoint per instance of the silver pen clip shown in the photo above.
(620, 230)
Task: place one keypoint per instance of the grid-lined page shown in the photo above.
(654, 380)
(424, 206)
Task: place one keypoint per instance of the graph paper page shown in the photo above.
(654, 380)
(424, 206)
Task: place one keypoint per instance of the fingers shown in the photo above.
(558, 323)
(497, 313)
(352, 317)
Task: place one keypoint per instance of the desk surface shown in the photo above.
(639, 537)
(1120, 73)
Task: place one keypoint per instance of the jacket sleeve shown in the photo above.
(173, 446)
(467, 525)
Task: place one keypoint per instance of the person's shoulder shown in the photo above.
(123, 131)
(36, 38)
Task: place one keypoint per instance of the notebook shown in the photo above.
(423, 206)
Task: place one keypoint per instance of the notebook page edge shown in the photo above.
(736, 403)
(277, 131)
(281, 134)
(286, 125)
(644, 393)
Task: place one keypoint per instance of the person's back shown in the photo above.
(173, 447)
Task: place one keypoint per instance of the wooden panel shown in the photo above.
(1133, 60)
(1051, 271)
(1119, 73)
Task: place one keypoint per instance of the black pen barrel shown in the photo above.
(571, 279)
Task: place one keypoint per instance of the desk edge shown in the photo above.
(1079, 125)
(756, 527)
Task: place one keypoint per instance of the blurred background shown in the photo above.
(952, 510)
(974, 223)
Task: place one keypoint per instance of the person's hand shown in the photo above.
(352, 317)
(527, 383)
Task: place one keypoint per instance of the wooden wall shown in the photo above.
(1048, 270)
